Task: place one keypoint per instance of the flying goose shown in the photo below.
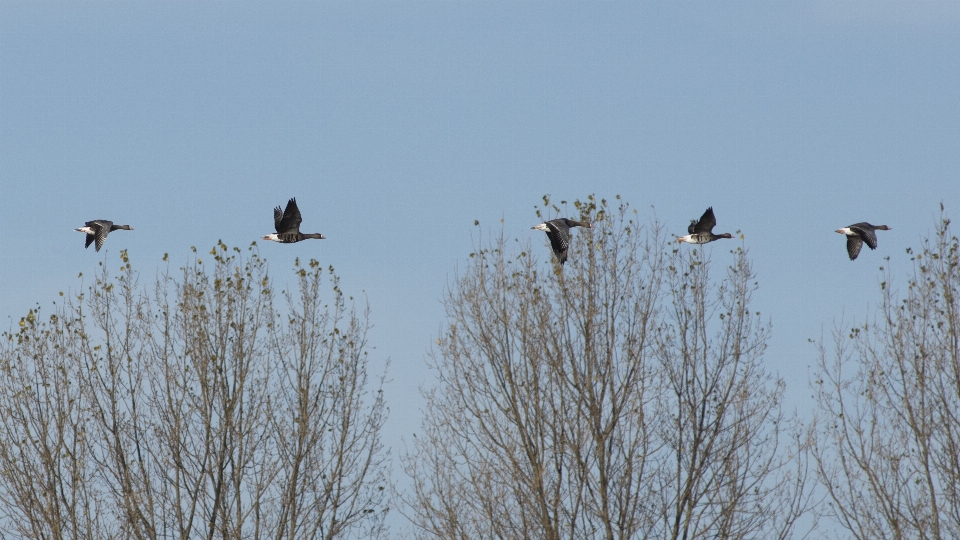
(858, 233)
(701, 232)
(287, 224)
(98, 230)
(558, 231)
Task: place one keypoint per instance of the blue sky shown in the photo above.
(397, 124)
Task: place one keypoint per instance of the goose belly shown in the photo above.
(695, 239)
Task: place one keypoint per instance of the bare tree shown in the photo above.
(568, 406)
(733, 464)
(197, 411)
(888, 393)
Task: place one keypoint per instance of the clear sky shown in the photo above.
(397, 124)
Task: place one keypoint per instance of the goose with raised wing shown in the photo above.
(701, 231)
(858, 233)
(558, 231)
(98, 229)
(287, 223)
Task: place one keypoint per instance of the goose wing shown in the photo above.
(101, 237)
(101, 229)
(865, 232)
(277, 218)
(706, 224)
(290, 220)
(854, 244)
(559, 236)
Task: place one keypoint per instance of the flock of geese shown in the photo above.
(287, 224)
(700, 231)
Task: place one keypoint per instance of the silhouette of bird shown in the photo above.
(558, 231)
(98, 230)
(701, 232)
(287, 224)
(858, 233)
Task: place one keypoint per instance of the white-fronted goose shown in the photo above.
(287, 224)
(558, 231)
(858, 233)
(701, 232)
(98, 230)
